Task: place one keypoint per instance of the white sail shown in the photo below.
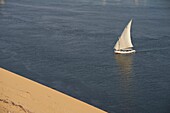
(124, 41)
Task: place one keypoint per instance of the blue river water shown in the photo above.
(68, 46)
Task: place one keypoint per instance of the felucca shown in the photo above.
(124, 44)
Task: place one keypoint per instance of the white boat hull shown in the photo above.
(124, 51)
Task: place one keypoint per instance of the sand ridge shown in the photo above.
(21, 95)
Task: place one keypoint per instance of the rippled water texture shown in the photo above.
(68, 45)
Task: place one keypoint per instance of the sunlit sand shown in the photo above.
(21, 95)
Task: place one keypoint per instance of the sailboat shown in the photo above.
(124, 44)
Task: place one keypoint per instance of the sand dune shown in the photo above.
(21, 95)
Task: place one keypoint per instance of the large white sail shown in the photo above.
(125, 38)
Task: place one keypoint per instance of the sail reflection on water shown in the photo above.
(2, 2)
(125, 64)
(103, 2)
(125, 70)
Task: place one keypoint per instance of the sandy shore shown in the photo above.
(21, 95)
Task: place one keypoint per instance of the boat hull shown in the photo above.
(124, 51)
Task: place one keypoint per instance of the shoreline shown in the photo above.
(22, 95)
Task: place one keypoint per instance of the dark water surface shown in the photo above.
(68, 45)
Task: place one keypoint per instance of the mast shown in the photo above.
(124, 40)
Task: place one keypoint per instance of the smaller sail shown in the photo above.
(124, 41)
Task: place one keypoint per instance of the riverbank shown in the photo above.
(21, 95)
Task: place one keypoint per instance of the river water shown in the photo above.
(68, 45)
